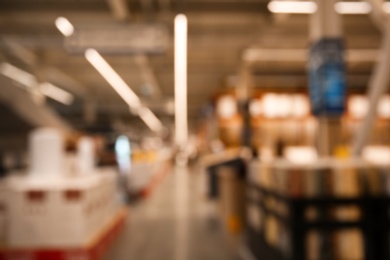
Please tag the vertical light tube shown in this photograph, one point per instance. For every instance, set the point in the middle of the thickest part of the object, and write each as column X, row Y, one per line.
column 181, row 124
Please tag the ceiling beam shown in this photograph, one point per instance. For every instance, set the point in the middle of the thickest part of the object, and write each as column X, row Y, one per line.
column 254, row 55
column 378, row 15
column 24, row 105
column 119, row 9
column 147, row 74
column 42, row 71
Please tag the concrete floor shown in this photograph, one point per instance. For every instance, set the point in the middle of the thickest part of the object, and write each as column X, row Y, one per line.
column 174, row 223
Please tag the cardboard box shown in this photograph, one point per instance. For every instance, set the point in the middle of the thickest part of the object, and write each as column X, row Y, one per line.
column 59, row 213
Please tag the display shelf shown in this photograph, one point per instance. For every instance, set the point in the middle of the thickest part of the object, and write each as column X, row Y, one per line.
column 92, row 250
column 373, row 224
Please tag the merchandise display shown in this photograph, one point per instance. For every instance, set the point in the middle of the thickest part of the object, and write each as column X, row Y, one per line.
column 327, row 193
column 51, row 207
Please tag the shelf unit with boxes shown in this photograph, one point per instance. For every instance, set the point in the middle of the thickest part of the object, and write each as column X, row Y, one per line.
column 93, row 249
column 289, row 218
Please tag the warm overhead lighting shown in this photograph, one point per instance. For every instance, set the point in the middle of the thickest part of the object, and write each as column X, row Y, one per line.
column 301, row 154
column 29, row 81
column 255, row 107
column 109, row 74
column 300, row 106
column 150, row 119
column 26, row 79
column 353, row 7
column 310, row 7
column 120, row 86
column 226, row 107
column 358, row 106
column 56, row 93
column 64, row 26
column 292, row 7
column 386, row 7
column 384, row 107
column 181, row 125
column 379, row 155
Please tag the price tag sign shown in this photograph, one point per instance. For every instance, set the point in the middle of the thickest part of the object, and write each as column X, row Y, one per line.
column 327, row 77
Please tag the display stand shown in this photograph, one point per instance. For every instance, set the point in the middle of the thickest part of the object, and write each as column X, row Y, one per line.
column 373, row 224
column 93, row 250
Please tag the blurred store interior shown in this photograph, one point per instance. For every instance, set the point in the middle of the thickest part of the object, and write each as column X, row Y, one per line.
column 194, row 130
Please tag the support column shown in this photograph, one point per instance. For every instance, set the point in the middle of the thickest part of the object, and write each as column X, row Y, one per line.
column 326, row 38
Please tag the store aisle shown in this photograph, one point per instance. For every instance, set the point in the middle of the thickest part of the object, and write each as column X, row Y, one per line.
column 173, row 224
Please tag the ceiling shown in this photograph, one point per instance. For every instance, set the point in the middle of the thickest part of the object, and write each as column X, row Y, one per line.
column 219, row 32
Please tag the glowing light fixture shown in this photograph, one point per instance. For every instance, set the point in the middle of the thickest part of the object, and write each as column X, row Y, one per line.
column 26, row 79
column 379, row 155
column 300, row 106
column 226, row 107
column 255, row 107
column 29, row 81
column 120, row 86
column 301, row 154
column 56, row 93
column 270, row 105
column 64, row 26
column 310, row 7
column 181, row 124
column 386, row 7
column 358, row 106
column 353, row 7
column 150, row 119
column 292, row 7
column 113, row 78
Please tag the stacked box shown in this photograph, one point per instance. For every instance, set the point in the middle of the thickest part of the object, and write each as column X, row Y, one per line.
column 65, row 212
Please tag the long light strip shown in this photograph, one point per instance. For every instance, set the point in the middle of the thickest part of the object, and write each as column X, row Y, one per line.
column 18, row 75
column 353, row 8
column 293, row 7
column 181, row 121
column 113, row 78
column 64, row 26
column 120, row 86
column 29, row 81
column 309, row 7
column 150, row 119
column 56, row 93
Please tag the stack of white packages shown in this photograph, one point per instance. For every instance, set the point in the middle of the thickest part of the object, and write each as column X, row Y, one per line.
column 50, row 207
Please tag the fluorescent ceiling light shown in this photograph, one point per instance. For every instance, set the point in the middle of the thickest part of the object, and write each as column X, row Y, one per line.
column 64, row 26
column 120, row 86
column 113, row 78
column 292, row 7
column 29, row 81
column 310, row 7
column 150, row 119
column 386, row 7
column 56, row 93
column 181, row 124
column 353, row 7
column 18, row 75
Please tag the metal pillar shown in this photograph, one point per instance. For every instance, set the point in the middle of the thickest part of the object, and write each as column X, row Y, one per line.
column 326, row 23
column 377, row 87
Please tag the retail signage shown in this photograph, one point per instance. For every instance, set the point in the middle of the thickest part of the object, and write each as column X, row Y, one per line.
column 129, row 39
column 327, row 83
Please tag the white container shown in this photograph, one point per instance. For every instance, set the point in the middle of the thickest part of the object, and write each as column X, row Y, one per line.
column 86, row 156
column 65, row 212
column 46, row 153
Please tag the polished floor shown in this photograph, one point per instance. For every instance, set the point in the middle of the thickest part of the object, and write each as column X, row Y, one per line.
column 174, row 223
